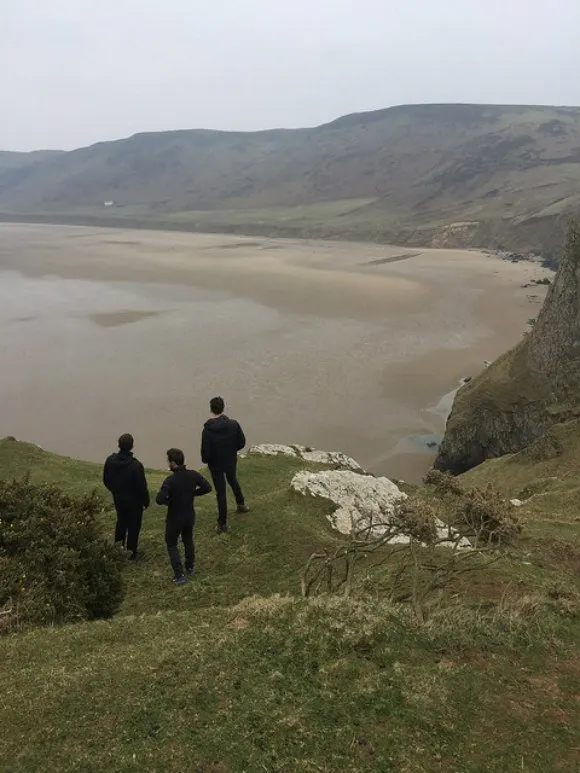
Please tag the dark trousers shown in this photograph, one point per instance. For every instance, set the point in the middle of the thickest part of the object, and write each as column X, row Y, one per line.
column 128, row 526
column 174, row 529
column 219, row 478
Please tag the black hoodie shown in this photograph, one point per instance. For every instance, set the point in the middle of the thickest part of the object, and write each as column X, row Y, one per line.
column 124, row 476
column 179, row 491
column 221, row 440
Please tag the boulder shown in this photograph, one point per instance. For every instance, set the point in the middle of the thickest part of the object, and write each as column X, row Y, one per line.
column 364, row 504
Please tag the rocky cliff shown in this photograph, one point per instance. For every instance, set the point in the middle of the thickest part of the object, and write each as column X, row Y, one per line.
column 527, row 390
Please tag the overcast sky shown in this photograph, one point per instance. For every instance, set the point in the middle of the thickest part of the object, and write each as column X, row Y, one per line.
column 73, row 72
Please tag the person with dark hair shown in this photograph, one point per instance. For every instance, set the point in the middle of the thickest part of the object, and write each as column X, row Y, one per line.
column 221, row 440
column 178, row 493
column 124, row 477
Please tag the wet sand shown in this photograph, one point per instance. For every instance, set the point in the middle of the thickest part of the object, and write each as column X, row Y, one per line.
column 338, row 345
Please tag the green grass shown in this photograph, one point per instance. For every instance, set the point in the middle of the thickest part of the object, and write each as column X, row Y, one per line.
column 263, row 552
column 357, row 220
column 279, row 685
column 342, row 219
column 545, row 476
column 551, row 462
column 234, row 672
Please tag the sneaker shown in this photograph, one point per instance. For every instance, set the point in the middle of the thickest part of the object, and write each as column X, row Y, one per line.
column 134, row 556
column 190, row 572
column 180, row 580
column 221, row 528
column 243, row 509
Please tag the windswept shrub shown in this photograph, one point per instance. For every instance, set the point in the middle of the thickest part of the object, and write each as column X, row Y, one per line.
column 481, row 514
column 55, row 566
column 564, row 600
column 487, row 518
column 443, row 483
column 416, row 520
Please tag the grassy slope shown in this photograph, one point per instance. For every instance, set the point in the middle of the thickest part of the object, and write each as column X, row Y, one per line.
column 193, row 679
column 246, row 561
column 546, row 476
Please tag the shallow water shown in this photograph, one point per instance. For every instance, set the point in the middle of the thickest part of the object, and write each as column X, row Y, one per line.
column 83, row 361
column 307, row 347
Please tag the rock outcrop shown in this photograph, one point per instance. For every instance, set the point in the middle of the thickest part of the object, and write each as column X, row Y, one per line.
column 527, row 390
column 332, row 458
column 364, row 504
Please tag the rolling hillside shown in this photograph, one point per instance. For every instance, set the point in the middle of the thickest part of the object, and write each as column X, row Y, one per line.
column 426, row 174
column 236, row 672
column 16, row 167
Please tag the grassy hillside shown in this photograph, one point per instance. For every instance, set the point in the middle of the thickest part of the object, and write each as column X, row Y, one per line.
column 496, row 176
column 245, row 562
column 15, row 168
column 546, row 477
column 222, row 675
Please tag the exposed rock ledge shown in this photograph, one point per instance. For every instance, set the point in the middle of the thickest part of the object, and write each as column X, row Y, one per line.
column 333, row 458
column 363, row 502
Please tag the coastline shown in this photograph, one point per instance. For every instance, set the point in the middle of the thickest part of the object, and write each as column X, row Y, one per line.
column 333, row 345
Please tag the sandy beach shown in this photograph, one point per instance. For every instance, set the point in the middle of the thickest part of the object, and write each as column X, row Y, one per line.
column 339, row 345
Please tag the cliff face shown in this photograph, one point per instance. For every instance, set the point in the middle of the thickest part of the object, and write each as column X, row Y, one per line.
column 554, row 344
column 528, row 389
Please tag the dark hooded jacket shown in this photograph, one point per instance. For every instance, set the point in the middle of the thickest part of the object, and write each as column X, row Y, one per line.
column 124, row 476
column 221, row 440
column 179, row 491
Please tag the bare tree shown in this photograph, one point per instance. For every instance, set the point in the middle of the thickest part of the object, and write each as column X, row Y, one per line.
column 423, row 561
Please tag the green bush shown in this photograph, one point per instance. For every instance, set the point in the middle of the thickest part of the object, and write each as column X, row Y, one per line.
column 443, row 483
column 416, row 519
column 55, row 566
column 481, row 514
column 488, row 518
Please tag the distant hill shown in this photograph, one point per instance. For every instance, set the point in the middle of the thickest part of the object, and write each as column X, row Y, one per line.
column 496, row 176
column 15, row 167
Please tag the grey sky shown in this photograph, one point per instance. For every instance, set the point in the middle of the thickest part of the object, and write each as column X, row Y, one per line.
column 73, row 72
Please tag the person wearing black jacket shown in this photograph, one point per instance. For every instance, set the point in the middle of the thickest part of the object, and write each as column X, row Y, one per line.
column 124, row 477
column 221, row 439
column 178, row 493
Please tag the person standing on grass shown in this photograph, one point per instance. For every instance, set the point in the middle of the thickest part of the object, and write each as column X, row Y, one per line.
column 221, row 440
column 124, row 477
column 178, row 493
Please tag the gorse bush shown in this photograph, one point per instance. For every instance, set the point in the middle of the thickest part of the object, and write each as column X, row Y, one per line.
column 487, row 517
column 482, row 514
column 55, row 566
column 443, row 482
column 415, row 519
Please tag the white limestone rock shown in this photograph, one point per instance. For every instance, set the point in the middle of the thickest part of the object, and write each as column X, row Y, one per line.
column 516, row 502
column 363, row 503
column 331, row 458
column 335, row 458
column 449, row 537
column 272, row 449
